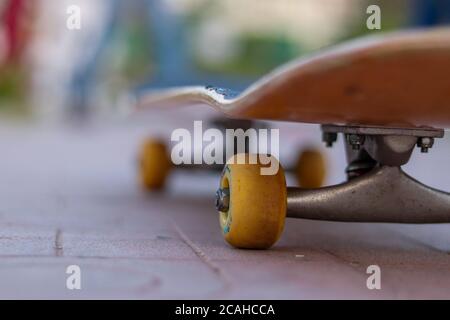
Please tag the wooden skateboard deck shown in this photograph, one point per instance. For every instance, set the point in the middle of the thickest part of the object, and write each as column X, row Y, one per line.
column 396, row 80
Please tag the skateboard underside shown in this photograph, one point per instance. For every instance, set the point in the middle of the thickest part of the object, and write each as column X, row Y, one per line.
column 400, row 80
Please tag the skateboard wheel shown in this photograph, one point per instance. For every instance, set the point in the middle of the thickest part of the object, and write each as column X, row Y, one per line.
column 252, row 206
column 154, row 164
column 311, row 169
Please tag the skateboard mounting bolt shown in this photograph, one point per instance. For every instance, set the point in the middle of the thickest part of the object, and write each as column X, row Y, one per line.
column 355, row 140
column 425, row 143
column 223, row 199
column 329, row 138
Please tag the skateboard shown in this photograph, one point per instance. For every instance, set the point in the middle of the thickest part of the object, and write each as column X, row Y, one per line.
column 384, row 94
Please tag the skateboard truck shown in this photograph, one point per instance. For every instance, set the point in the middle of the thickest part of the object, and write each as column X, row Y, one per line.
column 378, row 190
column 386, row 194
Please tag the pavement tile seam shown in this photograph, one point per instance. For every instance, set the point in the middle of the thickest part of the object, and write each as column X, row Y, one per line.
column 224, row 277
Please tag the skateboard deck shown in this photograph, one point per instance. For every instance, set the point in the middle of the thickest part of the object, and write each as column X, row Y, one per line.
column 396, row 80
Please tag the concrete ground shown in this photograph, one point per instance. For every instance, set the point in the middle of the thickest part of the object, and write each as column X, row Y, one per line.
column 69, row 197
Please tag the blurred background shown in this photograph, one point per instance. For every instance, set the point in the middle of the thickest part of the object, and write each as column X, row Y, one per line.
column 50, row 72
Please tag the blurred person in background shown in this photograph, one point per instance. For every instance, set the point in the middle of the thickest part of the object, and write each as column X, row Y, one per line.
column 63, row 59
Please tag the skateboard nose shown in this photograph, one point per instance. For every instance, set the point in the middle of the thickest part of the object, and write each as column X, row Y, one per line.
column 223, row 199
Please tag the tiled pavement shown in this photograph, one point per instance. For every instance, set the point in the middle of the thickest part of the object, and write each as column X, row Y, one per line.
column 69, row 197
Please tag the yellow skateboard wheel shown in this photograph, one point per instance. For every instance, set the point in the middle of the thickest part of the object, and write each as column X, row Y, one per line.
column 252, row 206
column 311, row 169
column 154, row 164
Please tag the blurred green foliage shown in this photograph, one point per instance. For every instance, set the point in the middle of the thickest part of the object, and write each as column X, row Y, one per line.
column 13, row 90
column 258, row 54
